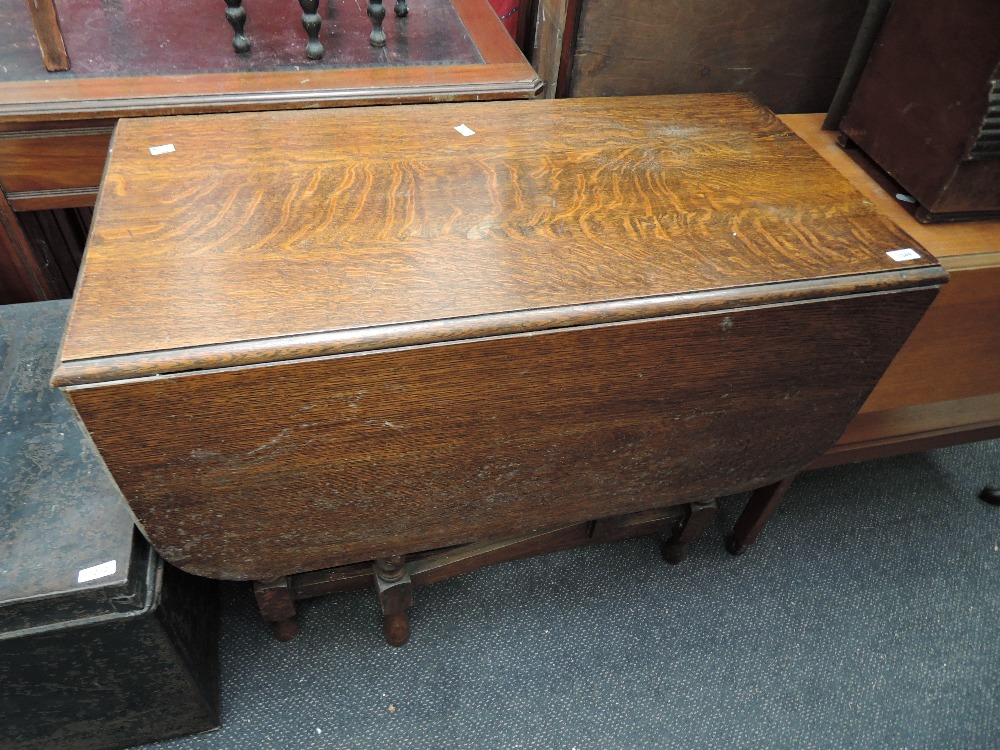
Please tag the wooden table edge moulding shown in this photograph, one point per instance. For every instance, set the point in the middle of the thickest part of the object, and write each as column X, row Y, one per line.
column 319, row 368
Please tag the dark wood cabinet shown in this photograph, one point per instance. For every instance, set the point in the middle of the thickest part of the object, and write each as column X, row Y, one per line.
column 927, row 106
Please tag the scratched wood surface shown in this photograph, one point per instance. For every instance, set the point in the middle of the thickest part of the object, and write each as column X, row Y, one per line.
column 255, row 472
column 360, row 333
column 290, row 223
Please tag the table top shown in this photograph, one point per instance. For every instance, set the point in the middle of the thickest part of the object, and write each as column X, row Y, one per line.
column 172, row 58
column 290, row 234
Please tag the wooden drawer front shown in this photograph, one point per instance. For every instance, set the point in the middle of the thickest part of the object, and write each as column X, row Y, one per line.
column 40, row 169
column 954, row 353
column 259, row 471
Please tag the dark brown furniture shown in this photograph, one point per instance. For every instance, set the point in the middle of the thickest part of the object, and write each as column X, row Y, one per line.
column 939, row 390
column 102, row 644
column 927, row 106
column 332, row 349
column 55, row 129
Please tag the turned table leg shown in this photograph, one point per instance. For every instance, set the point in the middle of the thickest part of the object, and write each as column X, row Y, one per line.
column 400, row 9
column 395, row 596
column 761, row 506
column 237, row 18
column 697, row 517
column 277, row 606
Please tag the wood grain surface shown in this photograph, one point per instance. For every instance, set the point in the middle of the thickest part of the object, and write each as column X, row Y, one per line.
column 342, row 220
column 788, row 53
column 263, row 471
column 50, row 39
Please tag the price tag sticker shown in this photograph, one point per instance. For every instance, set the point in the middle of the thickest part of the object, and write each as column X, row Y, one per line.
column 167, row 148
column 465, row 130
column 907, row 253
column 94, row 572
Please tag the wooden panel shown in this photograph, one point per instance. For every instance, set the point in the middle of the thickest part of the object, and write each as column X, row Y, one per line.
column 321, row 216
column 262, row 471
column 921, row 427
column 60, row 235
column 954, row 353
column 921, row 101
column 789, row 53
column 550, row 25
column 26, row 275
column 53, row 160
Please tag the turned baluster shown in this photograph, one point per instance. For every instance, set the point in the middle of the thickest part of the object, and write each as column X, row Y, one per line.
column 376, row 12
column 237, row 17
column 311, row 22
column 400, row 9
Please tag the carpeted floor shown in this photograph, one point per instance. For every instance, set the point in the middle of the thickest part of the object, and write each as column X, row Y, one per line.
column 865, row 617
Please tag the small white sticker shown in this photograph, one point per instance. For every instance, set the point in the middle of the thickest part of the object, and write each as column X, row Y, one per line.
column 97, row 571
column 165, row 149
column 907, row 253
column 465, row 130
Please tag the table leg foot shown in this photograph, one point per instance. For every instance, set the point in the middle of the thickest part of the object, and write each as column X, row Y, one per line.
column 276, row 603
column 395, row 596
column 761, row 506
column 697, row 517
column 400, row 9
column 376, row 12
column 990, row 494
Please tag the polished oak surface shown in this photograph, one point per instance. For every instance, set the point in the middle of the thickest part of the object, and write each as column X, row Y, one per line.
column 329, row 346
column 340, row 221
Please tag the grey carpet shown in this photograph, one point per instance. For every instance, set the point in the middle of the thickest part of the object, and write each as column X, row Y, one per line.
column 865, row 617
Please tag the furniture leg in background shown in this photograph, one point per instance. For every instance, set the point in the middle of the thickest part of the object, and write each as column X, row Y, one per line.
column 990, row 494
column 761, row 506
column 395, row 578
column 49, row 35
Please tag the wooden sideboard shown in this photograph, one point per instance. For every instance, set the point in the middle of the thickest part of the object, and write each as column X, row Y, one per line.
column 55, row 127
column 943, row 387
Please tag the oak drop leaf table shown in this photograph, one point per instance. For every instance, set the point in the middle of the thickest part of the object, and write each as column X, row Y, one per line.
column 329, row 358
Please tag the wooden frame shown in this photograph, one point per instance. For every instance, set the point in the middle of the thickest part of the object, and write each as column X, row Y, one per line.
column 504, row 74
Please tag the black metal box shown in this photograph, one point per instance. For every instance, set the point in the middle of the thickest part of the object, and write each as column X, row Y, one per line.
column 102, row 644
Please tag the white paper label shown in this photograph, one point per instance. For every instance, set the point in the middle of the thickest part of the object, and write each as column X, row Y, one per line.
column 97, row 571
column 907, row 253
column 165, row 149
column 465, row 130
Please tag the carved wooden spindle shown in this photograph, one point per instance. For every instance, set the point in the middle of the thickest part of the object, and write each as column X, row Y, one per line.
column 311, row 22
column 395, row 596
column 237, row 17
column 376, row 12
column 400, row 9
